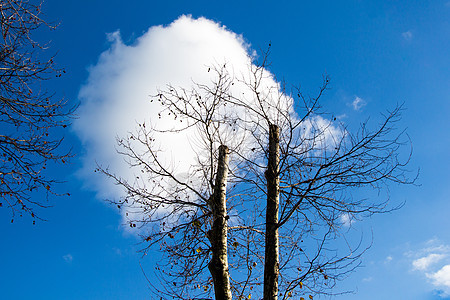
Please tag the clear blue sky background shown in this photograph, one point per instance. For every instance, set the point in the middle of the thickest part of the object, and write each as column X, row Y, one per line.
column 385, row 52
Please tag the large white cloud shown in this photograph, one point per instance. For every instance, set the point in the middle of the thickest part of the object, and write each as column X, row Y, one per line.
column 116, row 96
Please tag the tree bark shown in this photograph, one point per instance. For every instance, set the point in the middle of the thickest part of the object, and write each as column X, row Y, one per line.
column 218, row 266
column 271, row 266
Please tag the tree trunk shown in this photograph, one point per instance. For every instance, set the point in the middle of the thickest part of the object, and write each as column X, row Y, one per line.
column 218, row 266
column 271, row 267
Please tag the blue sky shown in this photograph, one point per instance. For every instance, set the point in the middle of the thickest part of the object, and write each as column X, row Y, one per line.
column 381, row 52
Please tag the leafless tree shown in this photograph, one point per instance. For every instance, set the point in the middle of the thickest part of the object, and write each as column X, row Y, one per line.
column 30, row 118
column 183, row 211
column 311, row 167
column 291, row 178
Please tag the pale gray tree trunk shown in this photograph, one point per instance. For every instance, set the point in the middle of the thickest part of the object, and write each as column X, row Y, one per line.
column 218, row 266
column 271, row 266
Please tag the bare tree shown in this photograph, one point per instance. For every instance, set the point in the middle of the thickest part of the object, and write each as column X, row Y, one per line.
column 313, row 166
column 291, row 180
column 183, row 211
column 29, row 116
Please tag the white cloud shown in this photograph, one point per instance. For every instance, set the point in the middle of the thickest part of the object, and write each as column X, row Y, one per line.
column 434, row 262
column 407, row 35
column 424, row 263
column 116, row 97
column 346, row 219
column 358, row 103
column 441, row 279
column 68, row 258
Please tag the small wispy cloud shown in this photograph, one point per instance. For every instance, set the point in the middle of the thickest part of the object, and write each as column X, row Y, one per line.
column 424, row 263
column 407, row 35
column 68, row 258
column 358, row 103
column 346, row 220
